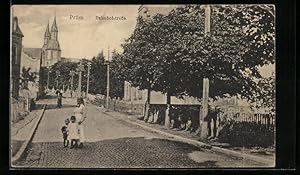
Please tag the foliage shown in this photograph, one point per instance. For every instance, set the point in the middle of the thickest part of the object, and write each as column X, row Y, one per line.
column 172, row 54
column 63, row 78
column 246, row 134
column 98, row 75
column 27, row 76
column 265, row 97
column 117, row 79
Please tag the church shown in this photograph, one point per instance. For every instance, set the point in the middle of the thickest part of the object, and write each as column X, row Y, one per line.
column 46, row 56
column 51, row 52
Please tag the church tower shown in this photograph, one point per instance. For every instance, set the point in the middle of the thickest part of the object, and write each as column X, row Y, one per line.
column 47, row 35
column 51, row 49
column 54, row 30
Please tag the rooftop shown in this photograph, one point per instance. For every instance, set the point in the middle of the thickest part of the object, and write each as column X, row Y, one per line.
column 35, row 53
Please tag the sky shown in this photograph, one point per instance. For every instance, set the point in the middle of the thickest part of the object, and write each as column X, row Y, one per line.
column 81, row 38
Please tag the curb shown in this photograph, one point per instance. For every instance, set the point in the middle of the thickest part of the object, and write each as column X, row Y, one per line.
column 19, row 154
column 270, row 163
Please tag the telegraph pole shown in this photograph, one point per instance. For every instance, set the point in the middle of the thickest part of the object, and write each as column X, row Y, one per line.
column 79, row 69
column 48, row 79
column 57, row 75
column 72, row 73
column 107, row 86
column 88, row 78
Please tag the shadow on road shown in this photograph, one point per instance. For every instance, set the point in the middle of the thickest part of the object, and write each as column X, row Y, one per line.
column 54, row 106
column 128, row 152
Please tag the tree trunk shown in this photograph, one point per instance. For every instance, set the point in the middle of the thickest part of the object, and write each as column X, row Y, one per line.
column 203, row 127
column 147, row 105
column 167, row 118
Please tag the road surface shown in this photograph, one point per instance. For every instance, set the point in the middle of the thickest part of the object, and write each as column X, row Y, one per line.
column 114, row 143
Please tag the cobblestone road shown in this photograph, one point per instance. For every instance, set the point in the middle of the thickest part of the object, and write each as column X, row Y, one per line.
column 114, row 143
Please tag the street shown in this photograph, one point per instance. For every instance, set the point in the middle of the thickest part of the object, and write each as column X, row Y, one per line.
column 114, row 143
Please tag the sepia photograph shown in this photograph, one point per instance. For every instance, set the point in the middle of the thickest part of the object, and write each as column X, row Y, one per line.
column 142, row 86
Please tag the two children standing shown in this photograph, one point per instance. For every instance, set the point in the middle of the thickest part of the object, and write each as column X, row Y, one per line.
column 73, row 131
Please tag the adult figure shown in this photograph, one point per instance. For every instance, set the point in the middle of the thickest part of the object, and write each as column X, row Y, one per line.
column 80, row 113
column 212, row 119
column 59, row 100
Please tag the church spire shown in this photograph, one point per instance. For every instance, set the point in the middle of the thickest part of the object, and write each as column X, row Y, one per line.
column 54, row 30
column 54, row 26
column 47, row 32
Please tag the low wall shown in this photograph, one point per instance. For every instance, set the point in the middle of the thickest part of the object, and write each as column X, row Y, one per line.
column 120, row 105
column 18, row 109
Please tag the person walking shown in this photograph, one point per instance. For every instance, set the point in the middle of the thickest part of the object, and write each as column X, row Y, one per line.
column 81, row 114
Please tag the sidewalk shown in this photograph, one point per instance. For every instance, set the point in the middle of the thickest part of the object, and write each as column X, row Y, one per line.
column 192, row 137
column 20, row 131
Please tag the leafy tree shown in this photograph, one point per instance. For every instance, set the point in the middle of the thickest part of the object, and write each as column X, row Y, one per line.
column 27, row 76
column 116, row 76
column 265, row 98
column 172, row 54
column 98, row 75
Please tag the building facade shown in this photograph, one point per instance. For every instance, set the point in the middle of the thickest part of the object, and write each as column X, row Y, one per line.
column 31, row 59
column 16, row 49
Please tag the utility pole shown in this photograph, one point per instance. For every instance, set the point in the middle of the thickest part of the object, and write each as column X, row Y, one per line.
column 88, row 78
column 79, row 69
column 48, row 79
column 72, row 73
column 57, row 75
column 107, row 86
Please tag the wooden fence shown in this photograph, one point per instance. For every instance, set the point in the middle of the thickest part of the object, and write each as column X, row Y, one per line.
column 259, row 118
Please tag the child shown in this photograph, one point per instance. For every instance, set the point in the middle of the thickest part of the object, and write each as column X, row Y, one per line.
column 65, row 132
column 73, row 133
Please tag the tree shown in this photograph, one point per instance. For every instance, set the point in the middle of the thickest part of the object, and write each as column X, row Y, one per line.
column 172, row 54
column 141, row 62
column 98, row 75
column 265, row 98
column 27, row 76
column 63, row 78
column 116, row 75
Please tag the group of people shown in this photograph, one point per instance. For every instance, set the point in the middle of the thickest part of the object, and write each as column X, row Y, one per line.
column 72, row 130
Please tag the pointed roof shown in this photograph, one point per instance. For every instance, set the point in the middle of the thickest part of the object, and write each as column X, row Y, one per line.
column 15, row 27
column 47, row 33
column 54, row 26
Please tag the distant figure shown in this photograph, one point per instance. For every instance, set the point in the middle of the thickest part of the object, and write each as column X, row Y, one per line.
column 57, row 92
column 73, row 133
column 59, row 100
column 65, row 132
column 212, row 117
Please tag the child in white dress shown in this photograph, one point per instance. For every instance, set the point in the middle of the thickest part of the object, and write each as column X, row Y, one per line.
column 73, row 133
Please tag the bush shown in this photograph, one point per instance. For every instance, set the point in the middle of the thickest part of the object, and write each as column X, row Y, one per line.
column 247, row 134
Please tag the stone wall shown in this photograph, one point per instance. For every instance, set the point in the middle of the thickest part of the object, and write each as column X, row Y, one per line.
column 119, row 105
column 18, row 109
